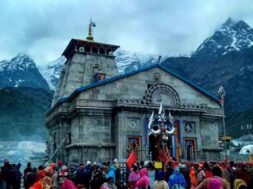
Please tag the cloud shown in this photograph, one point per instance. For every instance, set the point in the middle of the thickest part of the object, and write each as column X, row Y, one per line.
column 42, row 28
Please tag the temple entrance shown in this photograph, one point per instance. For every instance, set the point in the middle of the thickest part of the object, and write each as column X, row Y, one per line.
column 189, row 154
column 134, row 144
column 190, row 150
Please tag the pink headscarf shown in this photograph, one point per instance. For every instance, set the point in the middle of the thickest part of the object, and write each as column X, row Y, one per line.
column 68, row 184
column 144, row 180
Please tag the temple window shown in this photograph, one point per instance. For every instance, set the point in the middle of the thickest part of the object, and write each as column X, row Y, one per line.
column 87, row 49
column 157, row 76
column 94, row 50
column 102, row 51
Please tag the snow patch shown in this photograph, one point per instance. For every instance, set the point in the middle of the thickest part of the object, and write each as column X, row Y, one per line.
column 31, row 147
column 52, row 70
column 248, row 149
column 22, row 152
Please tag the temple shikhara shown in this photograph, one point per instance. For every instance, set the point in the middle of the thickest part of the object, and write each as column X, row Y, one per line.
column 98, row 114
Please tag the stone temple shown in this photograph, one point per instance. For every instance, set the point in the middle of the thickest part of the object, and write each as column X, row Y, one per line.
column 98, row 114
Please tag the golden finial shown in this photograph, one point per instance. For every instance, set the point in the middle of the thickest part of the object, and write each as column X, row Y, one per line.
column 90, row 36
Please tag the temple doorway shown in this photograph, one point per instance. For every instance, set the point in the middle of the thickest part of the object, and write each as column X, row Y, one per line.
column 134, row 144
column 190, row 150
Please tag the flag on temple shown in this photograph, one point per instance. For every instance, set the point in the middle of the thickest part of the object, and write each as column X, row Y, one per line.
column 131, row 159
column 92, row 24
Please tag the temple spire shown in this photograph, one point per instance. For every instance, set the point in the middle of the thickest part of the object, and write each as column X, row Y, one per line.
column 90, row 36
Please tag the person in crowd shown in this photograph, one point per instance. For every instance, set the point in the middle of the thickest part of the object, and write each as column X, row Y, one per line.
column 27, row 170
column 232, row 172
column 116, row 164
column 59, row 166
column 133, row 177
column 169, row 170
column 42, row 181
column 55, row 184
column 6, row 175
column 80, row 177
column 239, row 184
column 242, row 173
column 250, row 183
column 185, row 170
column 62, row 175
column 144, row 181
column 30, row 178
column 112, row 173
column 151, row 171
column 46, row 183
column 108, row 184
column 214, row 182
column 98, row 177
column 68, row 184
column 88, row 174
column 16, row 176
column 193, row 177
column 207, row 170
column 201, row 173
column 160, row 183
column 177, row 180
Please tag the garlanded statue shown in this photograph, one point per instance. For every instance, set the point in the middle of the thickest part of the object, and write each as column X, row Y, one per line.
column 161, row 131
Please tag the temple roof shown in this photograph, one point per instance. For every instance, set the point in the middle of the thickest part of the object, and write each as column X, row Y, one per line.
column 88, row 47
column 118, row 77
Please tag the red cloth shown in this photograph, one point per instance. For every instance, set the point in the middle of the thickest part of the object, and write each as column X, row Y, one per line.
column 131, row 159
column 36, row 185
column 208, row 173
column 40, row 174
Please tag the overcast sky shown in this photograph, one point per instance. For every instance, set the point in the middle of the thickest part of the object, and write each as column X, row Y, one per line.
column 43, row 28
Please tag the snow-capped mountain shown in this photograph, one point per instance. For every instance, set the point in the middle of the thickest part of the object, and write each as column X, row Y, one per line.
column 51, row 71
column 21, row 71
column 231, row 36
column 130, row 61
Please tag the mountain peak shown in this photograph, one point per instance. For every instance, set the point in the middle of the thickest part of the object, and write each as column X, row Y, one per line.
column 21, row 70
column 231, row 36
column 232, row 24
column 229, row 22
column 23, row 59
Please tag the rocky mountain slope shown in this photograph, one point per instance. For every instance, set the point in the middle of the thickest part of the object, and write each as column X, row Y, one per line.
column 22, row 111
column 231, row 36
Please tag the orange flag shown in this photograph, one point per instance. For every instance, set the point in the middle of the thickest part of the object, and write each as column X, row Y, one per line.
column 131, row 159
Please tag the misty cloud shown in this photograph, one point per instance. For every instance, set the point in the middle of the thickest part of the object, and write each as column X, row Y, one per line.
column 43, row 28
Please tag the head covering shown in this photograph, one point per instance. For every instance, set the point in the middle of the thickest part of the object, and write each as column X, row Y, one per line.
column 6, row 161
column 68, row 184
column 143, row 172
column 88, row 162
column 64, row 167
column 52, row 165
column 60, row 163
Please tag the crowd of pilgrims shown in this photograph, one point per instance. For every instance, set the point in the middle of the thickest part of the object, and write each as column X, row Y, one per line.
column 142, row 175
